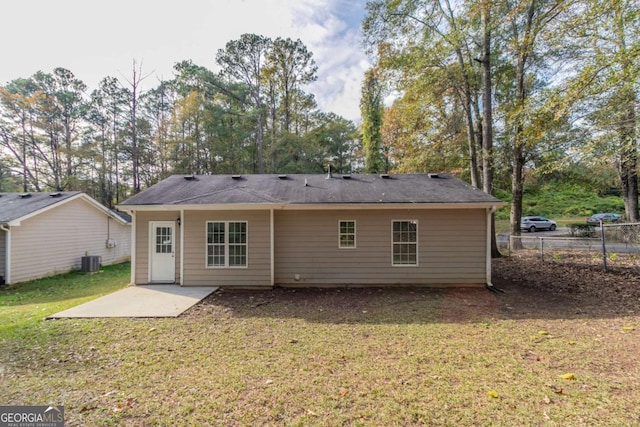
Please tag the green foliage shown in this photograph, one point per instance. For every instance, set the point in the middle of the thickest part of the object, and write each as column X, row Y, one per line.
column 581, row 229
column 372, row 109
column 567, row 200
column 560, row 200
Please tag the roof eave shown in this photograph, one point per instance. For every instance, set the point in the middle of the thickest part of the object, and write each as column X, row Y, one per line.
column 308, row 206
column 16, row 222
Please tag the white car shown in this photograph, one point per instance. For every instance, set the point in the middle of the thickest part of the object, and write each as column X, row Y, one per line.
column 535, row 223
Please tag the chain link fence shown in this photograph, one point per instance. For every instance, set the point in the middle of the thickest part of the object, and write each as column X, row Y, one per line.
column 612, row 246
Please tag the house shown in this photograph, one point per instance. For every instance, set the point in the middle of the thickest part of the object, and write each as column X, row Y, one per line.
column 311, row 230
column 43, row 234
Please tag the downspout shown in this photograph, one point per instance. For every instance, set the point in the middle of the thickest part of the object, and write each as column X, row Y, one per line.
column 133, row 247
column 7, row 255
column 272, row 247
column 182, row 225
column 489, row 285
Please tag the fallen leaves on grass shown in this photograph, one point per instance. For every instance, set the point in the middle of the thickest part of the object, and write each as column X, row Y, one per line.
column 121, row 406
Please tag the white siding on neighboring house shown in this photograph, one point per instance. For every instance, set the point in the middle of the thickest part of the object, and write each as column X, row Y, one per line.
column 55, row 240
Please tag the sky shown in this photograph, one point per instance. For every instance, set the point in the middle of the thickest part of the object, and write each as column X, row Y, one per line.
column 94, row 39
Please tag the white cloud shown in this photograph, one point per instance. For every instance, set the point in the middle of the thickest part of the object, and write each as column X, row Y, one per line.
column 95, row 40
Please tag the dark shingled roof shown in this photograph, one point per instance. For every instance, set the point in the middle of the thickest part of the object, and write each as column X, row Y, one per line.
column 16, row 205
column 291, row 190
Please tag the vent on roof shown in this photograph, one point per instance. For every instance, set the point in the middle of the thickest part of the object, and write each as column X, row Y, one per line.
column 282, row 176
column 24, row 195
column 56, row 194
column 433, row 175
column 236, row 177
column 346, row 176
column 384, row 176
column 190, row 177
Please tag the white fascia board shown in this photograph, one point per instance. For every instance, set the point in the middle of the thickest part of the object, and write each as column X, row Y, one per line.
column 323, row 206
column 16, row 222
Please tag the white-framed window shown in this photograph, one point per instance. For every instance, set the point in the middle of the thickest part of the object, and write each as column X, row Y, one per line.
column 227, row 244
column 346, row 234
column 404, row 243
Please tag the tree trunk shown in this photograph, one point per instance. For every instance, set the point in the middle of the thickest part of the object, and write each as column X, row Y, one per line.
column 487, row 118
column 629, row 164
column 468, row 112
column 627, row 125
column 517, row 194
column 518, row 158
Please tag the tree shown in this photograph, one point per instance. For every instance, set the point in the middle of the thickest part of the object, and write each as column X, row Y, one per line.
column 18, row 123
column 604, row 38
column 419, row 40
column 61, row 110
column 243, row 60
column 339, row 139
column 289, row 65
column 487, row 115
column 371, row 108
column 525, row 53
column 134, row 150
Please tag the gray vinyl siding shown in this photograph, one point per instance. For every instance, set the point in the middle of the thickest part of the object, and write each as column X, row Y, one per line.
column 142, row 220
column 55, row 240
column 451, row 248
column 258, row 270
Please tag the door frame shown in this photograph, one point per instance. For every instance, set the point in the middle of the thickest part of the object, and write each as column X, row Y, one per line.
column 152, row 231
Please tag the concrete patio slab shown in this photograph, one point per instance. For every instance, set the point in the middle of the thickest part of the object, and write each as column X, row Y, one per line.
column 140, row 301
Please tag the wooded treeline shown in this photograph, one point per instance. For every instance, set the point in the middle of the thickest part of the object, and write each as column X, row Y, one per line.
column 562, row 81
column 252, row 117
column 499, row 92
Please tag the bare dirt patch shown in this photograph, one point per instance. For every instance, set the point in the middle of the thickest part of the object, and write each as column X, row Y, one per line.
column 532, row 288
column 575, row 281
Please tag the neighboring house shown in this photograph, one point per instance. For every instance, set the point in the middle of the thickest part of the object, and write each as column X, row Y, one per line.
column 42, row 234
column 311, row 230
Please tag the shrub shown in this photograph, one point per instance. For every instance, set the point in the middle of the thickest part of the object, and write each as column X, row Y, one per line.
column 581, row 230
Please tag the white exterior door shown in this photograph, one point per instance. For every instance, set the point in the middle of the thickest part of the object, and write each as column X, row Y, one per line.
column 162, row 265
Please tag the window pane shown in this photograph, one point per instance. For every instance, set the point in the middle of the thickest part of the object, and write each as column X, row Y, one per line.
column 164, row 241
column 405, row 247
column 226, row 244
column 347, row 234
column 237, row 255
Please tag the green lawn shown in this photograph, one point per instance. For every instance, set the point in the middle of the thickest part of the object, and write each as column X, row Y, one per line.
column 23, row 306
column 341, row 357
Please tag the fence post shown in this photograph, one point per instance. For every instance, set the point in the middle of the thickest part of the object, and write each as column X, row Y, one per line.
column 541, row 248
column 604, row 247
